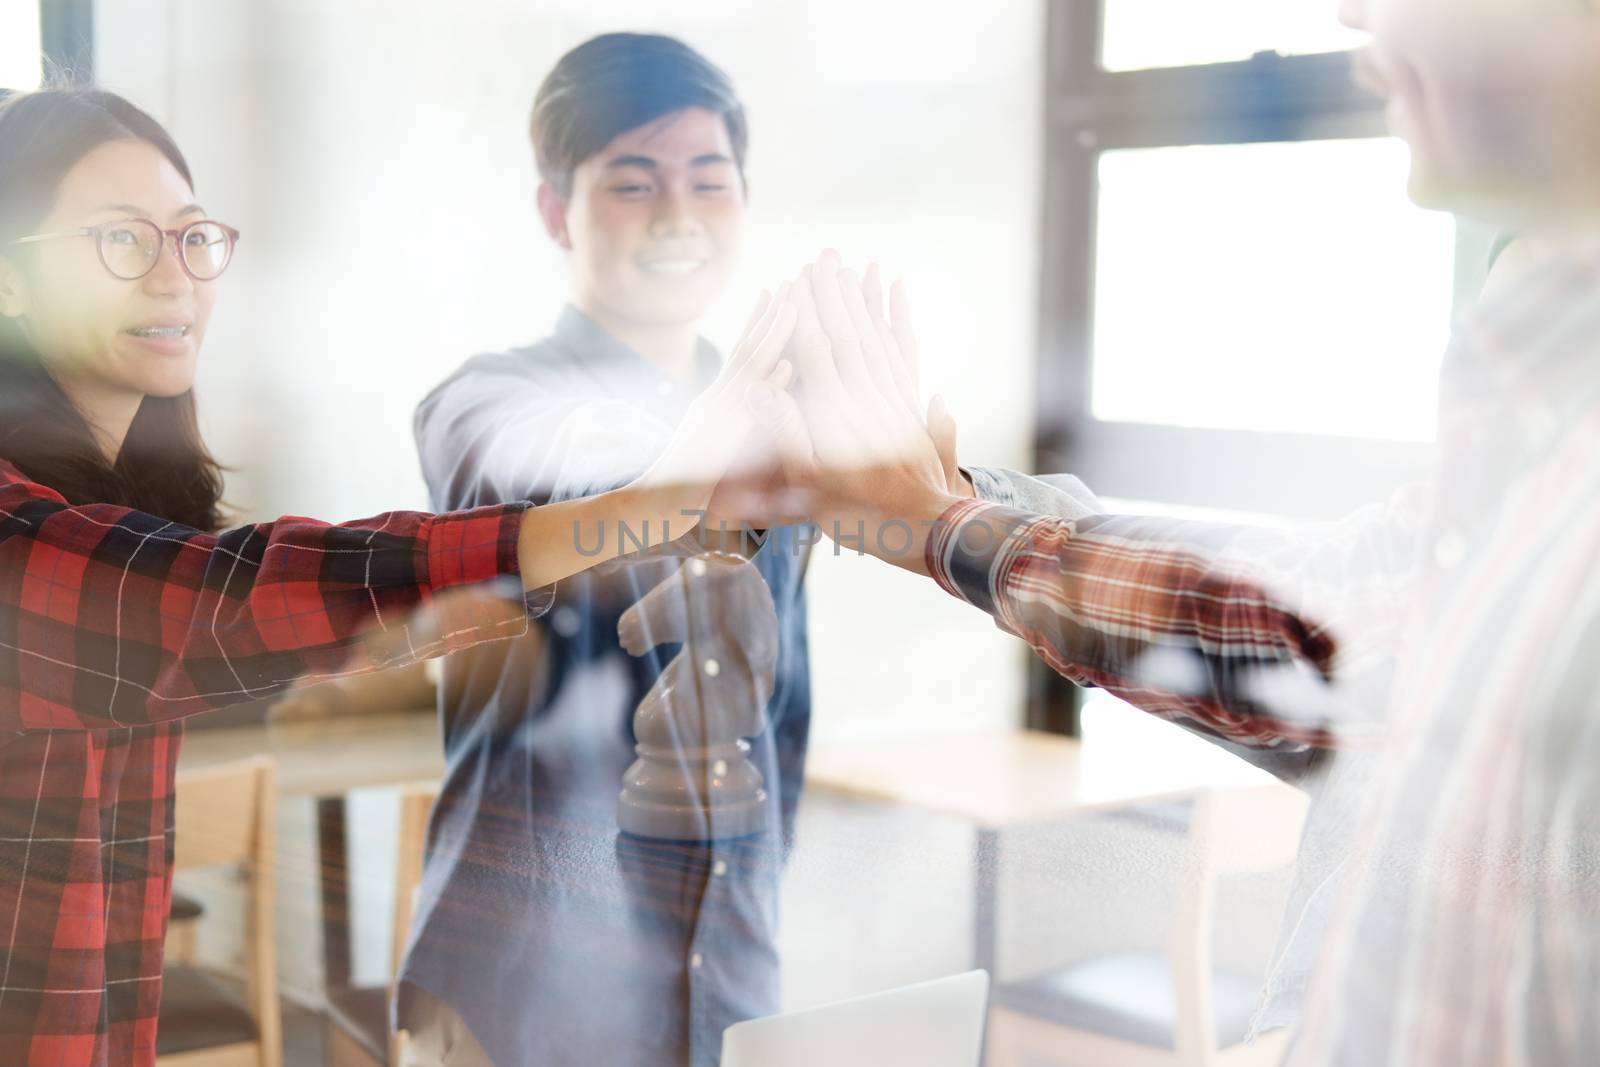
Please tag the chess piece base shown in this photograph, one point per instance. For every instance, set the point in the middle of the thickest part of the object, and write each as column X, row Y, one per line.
column 673, row 822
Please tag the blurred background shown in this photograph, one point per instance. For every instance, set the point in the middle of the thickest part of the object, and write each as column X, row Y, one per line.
column 1187, row 275
column 1160, row 244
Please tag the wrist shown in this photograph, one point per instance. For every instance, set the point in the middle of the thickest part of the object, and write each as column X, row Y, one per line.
column 673, row 510
column 897, row 532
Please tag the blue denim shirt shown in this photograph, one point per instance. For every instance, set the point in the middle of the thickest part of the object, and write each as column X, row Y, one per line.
column 555, row 937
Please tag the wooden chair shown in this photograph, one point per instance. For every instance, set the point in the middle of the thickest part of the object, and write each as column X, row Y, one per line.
column 227, row 816
column 358, row 1031
column 1154, row 1009
column 183, row 921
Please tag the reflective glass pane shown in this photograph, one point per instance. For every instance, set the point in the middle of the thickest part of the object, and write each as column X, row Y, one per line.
column 1271, row 287
column 19, row 44
column 1176, row 33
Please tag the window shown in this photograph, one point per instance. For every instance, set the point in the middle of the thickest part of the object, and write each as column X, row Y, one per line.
column 1240, row 308
column 1277, row 309
column 1142, row 34
column 20, row 66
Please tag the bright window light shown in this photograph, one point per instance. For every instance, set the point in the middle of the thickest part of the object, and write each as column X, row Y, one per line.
column 1285, row 287
column 19, row 44
column 1176, row 33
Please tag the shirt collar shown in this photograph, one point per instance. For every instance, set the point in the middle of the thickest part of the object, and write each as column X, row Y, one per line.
column 1525, row 365
column 586, row 340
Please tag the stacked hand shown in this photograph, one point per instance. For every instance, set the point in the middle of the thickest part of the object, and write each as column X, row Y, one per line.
column 717, row 441
column 852, row 431
column 819, row 414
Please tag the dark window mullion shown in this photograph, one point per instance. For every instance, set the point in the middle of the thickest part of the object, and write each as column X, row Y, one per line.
column 1268, row 98
column 1061, row 397
column 66, row 32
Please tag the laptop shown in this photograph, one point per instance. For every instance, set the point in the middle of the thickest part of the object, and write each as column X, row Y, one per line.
column 931, row 1024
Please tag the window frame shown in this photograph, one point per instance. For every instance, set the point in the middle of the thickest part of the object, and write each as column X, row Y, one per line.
column 66, row 41
column 1268, row 98
column 66, row 38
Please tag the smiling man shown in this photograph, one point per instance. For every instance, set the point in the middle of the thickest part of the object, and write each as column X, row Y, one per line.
column 543, row 935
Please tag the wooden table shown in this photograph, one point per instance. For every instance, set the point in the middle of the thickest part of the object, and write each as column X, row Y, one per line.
column 1000, row 779
column 996, row 779
column 327, row 758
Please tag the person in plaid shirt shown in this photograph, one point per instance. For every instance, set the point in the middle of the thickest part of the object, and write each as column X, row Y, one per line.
column 122, row 611
column 1453, row 914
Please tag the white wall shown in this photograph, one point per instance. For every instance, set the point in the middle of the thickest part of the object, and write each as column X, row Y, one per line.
column 375, row 156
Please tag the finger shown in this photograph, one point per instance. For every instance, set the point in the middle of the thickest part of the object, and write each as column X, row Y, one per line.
column 905, row 337
column 782, row 375
column 898, row 425
column 780, row 415
column 764, row 355
column 872, row 293
column 756, row 331
column 872, row 350
column 821, row 387
column 760, row 318
column 942, row 428
column 813, row 352
column 872, row 290
column 822, row 395
column 763, row 301
column 836, row 321
column 756, row 457
column 874, row 422
column 899, row 366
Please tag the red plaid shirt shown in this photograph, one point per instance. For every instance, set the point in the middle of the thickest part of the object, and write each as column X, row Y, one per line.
column 114, row 626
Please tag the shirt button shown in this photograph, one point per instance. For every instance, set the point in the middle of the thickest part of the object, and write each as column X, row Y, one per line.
column 719, row 868
column 696, row 960
column 1450, row 550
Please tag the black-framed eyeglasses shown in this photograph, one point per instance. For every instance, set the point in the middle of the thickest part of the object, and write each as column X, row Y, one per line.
column 130, row 248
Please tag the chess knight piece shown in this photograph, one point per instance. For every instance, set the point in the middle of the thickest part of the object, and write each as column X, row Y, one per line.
column 693, row 780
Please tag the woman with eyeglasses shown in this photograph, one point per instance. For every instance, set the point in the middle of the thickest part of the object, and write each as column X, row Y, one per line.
column 123, row 611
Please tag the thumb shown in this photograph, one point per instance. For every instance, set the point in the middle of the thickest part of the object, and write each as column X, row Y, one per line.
column 942, row 428
column 776, row 411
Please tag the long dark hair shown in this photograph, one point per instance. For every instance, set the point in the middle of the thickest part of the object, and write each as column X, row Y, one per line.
column 164, row 467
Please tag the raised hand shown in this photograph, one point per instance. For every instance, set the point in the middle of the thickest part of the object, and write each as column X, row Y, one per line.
column 854, row 432
column 714, row 440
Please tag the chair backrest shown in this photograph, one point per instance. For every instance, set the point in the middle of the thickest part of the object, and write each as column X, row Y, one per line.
column 1233, row 831
column 223, row 815
column 416, row 802
column 228, row 815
